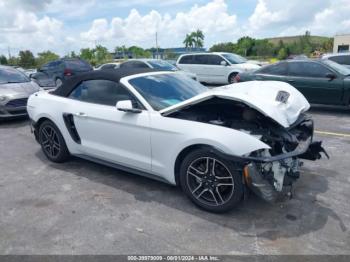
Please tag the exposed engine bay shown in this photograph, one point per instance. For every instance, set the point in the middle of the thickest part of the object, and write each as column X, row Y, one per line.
column 266, row 171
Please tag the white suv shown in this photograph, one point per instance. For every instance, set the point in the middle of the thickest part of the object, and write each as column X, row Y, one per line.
column 215, row 68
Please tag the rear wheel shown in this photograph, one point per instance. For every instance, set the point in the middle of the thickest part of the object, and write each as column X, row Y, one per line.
column 210, row 181
column 52, row 142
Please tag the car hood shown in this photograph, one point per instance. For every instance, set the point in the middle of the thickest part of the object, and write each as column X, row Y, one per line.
column 260, row 95
column 248, row 66
column 13, row 89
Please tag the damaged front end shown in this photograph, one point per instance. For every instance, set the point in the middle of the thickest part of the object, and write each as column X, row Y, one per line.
column 268, row 172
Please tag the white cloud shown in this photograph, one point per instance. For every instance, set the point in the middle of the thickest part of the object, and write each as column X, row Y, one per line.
column 46, row 24
column 213, row 18
column 275, row 17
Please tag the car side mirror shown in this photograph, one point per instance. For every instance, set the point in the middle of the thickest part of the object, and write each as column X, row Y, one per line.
column 331, row 76
column 223, row 63
column 126, row 106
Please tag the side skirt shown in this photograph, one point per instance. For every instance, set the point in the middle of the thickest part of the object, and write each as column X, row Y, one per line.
column 124, row 168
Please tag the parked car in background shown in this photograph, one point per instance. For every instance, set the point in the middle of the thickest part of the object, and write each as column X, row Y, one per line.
column 320, row 81
column 215, row 68
column 297, row 57
column 58, row 71
column 157, row 64
column 214, row 143
column 114, row 65
column 27, row 72
column 15, row 88
column 340, row 58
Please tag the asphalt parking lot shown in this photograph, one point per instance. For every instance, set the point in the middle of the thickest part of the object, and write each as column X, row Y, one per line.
column 84, row 208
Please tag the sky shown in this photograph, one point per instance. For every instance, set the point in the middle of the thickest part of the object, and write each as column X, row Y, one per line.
column 69, row 25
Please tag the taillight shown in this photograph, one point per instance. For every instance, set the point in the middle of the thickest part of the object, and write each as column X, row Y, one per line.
column 68, row 72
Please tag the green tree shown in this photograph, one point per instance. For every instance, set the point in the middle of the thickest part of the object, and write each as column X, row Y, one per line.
column 73, row 55
column 45, row 57
column 95, row 56
column 189, row 41
column 198, row 37
column 86, row 54
column 137, row 52
column 3, row 60
column 13, row 61
column 26, row 59
column 262, row 48
column 282, row 54
column 245, row 45
column 101, row 55
column 223, row 47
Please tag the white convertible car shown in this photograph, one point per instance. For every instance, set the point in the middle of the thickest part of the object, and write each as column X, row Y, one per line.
column 214, row 143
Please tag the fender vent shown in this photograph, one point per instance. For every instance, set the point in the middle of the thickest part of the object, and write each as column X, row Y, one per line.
column 69, row 122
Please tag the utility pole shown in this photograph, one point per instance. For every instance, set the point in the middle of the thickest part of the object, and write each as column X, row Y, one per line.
column 8, row 49
column 157, row 45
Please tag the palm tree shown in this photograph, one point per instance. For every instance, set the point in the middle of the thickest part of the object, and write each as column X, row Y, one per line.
column 189, row 41
column 198, row 37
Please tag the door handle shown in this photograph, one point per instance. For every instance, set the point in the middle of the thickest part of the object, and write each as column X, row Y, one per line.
column 80, row 114
column 290, row 81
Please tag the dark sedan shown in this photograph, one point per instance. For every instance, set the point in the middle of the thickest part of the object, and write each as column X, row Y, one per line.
column 320, row 81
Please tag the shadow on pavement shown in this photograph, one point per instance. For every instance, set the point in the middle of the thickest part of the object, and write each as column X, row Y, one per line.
column 304, row 214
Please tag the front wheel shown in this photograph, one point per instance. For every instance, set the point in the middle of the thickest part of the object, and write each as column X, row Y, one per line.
column 52, row 142
column 233, row 78
column 210, row 181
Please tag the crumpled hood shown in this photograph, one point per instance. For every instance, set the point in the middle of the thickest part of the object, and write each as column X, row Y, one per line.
column 260, row 95
column 14, row 89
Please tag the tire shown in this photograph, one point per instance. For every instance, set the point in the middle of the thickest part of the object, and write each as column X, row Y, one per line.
column 231, row 78
column 216, row 192
column 58, row 82
column 52, row 142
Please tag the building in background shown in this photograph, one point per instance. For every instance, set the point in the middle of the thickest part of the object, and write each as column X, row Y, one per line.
column 341, row 43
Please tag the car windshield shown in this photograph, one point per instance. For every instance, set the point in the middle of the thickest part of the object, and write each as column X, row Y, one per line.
column 164, row 90
column 337, row 67
column 11, row 75
column 234, row 59
column 159, row 64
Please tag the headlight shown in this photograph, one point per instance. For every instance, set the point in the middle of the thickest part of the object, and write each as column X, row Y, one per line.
column 3, row 98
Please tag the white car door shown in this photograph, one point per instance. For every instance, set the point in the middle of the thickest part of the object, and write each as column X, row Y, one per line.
column 107, row 133
column 218, row 73
column 195, row 64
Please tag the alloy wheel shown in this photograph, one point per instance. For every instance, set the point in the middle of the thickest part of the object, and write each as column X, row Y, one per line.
column 50, row 141
column 210, row 181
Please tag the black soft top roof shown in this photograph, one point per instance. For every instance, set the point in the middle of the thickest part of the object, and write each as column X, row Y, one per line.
column 110, row 74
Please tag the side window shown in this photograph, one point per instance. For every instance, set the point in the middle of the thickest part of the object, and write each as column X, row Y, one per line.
column 187, row 59
column 103, row 92
column 52, row 65
column 214, row 60
column 138, row 64
column 275, row 69
column 108, row 66
column 200, row 59
column 342, row 59
column 308, row 69
column 125, row 65
column 45, row 67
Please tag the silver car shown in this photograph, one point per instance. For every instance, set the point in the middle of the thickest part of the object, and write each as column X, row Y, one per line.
column 15, row 88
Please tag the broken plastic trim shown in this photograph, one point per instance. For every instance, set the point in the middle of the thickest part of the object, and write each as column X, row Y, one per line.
column 305, row 150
